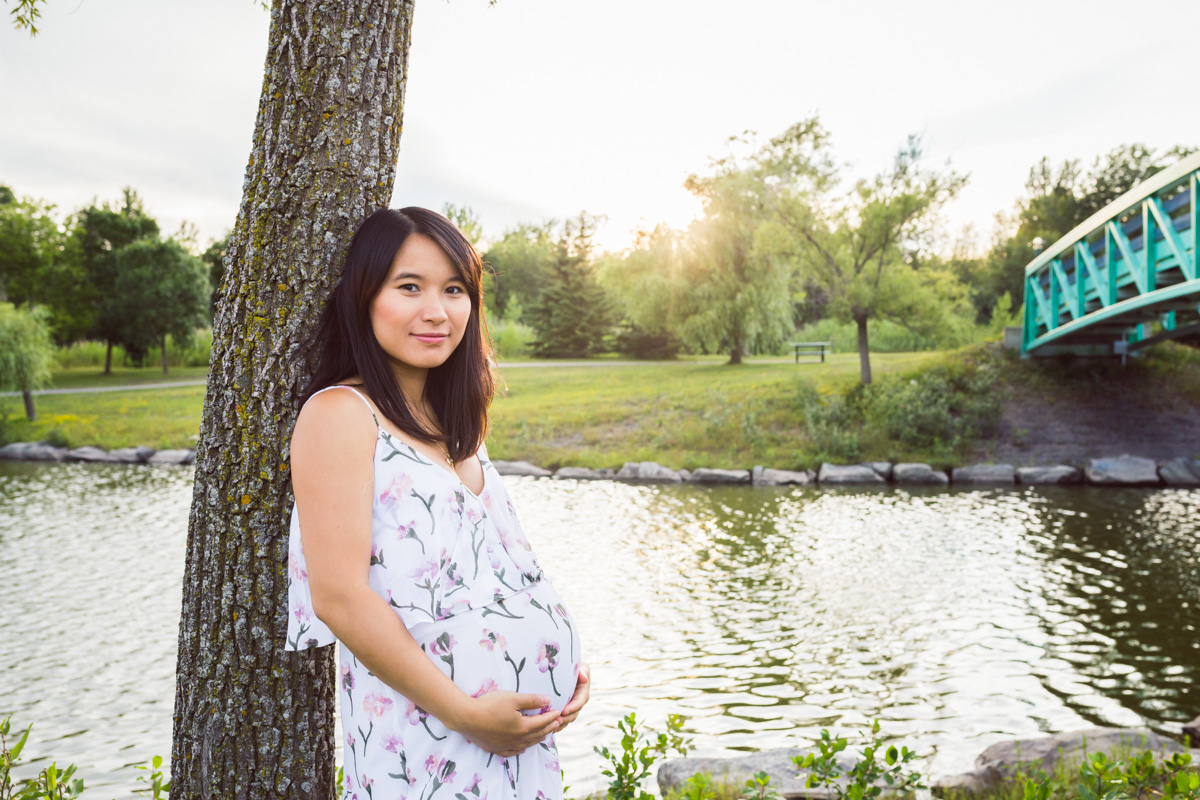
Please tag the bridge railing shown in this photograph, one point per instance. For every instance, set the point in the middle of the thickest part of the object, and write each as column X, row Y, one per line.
column 1104, row 280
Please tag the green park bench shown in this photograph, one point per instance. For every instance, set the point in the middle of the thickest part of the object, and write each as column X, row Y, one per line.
column 811, row 351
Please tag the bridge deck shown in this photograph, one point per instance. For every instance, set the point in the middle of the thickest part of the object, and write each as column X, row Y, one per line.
column 1097, row 290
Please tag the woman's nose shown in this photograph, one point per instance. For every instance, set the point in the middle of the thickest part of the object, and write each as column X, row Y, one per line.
column 432, row 309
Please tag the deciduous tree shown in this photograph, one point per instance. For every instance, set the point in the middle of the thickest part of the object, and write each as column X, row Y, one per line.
column 164, row 291
column 101, row 231
column 853, row 243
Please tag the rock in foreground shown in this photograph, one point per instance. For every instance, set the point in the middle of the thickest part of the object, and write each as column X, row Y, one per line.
column 777, row 763
column 1000, row 762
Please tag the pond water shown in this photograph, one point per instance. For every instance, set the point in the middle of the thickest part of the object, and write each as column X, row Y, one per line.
column 958, row 618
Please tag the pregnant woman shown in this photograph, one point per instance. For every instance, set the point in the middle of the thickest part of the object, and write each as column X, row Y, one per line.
column 458, row 660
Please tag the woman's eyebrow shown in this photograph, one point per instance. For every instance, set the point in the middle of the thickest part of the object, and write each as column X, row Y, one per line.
column 404, row 276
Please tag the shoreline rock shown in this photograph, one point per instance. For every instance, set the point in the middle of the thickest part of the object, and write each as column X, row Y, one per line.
column 1124, row 470
column 1120, row 471
column 906, row 474
column 985, row 474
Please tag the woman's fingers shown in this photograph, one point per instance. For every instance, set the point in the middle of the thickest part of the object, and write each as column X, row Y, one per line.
column 583, row 691
column 526, row 702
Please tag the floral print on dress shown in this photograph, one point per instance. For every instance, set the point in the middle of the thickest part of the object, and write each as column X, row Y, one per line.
column 459, row 572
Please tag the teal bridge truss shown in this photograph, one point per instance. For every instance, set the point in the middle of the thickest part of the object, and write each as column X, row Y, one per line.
column 1099, row 289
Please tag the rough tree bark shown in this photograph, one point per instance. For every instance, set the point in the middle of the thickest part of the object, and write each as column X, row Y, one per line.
column 253, row 721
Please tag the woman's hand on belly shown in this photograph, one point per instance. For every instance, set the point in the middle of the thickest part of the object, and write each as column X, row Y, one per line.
column 583, row 692
column 495, row 723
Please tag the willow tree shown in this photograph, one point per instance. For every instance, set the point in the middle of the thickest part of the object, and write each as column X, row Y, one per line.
column 737, row 280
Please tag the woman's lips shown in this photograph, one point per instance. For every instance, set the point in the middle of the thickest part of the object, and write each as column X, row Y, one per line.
column 430, row 338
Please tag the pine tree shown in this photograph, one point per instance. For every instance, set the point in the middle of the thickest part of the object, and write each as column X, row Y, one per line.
column 571, row 315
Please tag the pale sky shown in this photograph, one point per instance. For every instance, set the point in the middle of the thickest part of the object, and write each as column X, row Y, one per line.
column 537, row 109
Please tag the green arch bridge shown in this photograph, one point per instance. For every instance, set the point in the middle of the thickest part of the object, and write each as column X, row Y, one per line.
column 1099, row 289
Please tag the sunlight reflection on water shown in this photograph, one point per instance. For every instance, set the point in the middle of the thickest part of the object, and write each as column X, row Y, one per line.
column 959, row 618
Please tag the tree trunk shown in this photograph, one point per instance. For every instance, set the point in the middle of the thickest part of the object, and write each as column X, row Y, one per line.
column 164, row 353
column 251, row 720
column 108, row 359
column 30, row 412
column 864, row 355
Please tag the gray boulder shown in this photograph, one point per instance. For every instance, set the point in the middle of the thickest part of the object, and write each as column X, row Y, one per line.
column 909, row 474
column 33, row 451
column 884, row 468
column 521, row 468
column 1123, row 471
column 704, row 475
column 177, row 457
column 577, row 474
column 852, row 474
column 16, row 451
column 1180, row 472
column 990, row 474
column 684, row 474
column 132, row 455
column 1057, row 474
column 761, row 476
column 90, row 454
column 777, row 763
column 647, row 472
column 1000, row 762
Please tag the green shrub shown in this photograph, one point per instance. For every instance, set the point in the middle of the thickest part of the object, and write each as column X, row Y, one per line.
column 832, row 422
column 638, row 343
column 941, row 409
column 511, row 339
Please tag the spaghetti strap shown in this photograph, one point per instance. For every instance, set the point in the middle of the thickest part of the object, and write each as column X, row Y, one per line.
column 360, row 397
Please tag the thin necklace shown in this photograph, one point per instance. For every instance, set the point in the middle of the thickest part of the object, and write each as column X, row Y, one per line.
column 446, row 450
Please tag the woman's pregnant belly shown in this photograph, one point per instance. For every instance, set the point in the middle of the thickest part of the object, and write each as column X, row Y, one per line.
column 526, row 643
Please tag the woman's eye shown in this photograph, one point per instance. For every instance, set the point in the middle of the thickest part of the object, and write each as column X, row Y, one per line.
column 455, row 289
column 409, row 287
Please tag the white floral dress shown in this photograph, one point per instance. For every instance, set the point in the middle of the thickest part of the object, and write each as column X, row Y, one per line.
column 459, row 572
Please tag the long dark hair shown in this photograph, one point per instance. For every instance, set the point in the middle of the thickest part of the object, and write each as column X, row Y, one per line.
column 458, row 391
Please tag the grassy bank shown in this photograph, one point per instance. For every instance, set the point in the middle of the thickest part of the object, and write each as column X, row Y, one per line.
column 937, row 407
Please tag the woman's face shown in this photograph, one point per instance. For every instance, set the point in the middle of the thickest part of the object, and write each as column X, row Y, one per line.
column 422, row 309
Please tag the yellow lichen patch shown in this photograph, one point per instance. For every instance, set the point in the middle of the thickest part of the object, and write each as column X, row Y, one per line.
column 281, row 285
column 245, row 499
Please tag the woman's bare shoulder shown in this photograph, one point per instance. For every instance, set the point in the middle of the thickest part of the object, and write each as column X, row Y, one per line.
column 334, row 419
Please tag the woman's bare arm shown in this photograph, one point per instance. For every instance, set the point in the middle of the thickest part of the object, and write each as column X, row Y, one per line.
column 332, row 455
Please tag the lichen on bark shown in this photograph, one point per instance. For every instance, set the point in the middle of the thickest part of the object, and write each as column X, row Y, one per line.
column 251, row 720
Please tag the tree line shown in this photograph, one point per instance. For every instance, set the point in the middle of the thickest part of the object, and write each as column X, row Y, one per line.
column 786, row 241
column 106, row 273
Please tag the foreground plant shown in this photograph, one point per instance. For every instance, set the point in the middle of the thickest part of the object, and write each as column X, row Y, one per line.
column 640, row 748
column 50, row 783
column 864, row 776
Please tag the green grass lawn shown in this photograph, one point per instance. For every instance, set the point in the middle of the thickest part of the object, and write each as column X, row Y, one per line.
column 685, row 413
